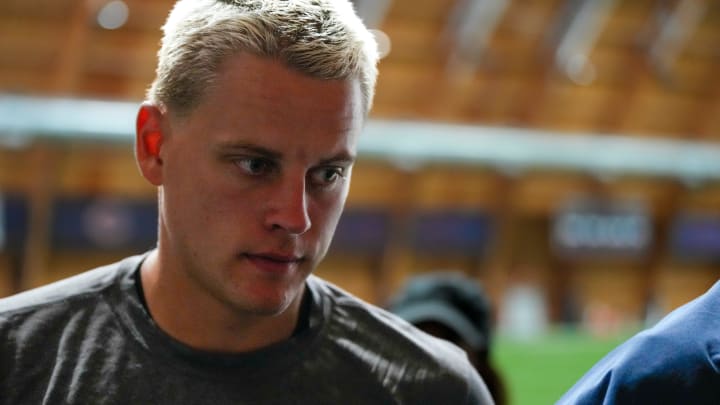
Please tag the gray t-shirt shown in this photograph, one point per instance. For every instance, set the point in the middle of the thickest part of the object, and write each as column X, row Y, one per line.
column 89, row 340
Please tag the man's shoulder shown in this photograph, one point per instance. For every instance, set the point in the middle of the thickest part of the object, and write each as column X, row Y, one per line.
column 64, row 292
column 677, row 359
column 686, row 339
column 378, row 341
column 48, row 333
column 374, row 324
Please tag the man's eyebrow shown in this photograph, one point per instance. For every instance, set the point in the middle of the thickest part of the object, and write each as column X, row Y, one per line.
column 247, row 147
column 340, row 158
column 343, row 157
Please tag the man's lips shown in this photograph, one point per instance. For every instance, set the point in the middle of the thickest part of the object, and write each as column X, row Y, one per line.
column 273, row 262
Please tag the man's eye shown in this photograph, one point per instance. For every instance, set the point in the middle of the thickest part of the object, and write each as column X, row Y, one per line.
column 254, row 166
column 326, row 176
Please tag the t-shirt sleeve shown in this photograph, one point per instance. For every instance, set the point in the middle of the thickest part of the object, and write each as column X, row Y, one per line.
column 478, row 392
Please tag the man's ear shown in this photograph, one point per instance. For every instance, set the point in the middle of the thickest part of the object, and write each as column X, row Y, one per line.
column 149, row 137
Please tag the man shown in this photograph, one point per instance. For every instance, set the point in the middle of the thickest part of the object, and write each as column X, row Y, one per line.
column 675, row 362
column 249, row 133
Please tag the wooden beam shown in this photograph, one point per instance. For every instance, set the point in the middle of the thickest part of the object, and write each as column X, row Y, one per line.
column 45, row 160
column 68, row 71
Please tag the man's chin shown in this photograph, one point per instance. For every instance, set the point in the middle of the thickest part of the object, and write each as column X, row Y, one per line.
column 265, row 296
column 266, row 305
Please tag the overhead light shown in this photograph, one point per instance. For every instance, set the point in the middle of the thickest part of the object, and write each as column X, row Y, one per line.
column 470, row 28
column 372, row 12
column 580, row 70
column 582, row 25
column 384, row 44
column 675, row 34
column 113, row 15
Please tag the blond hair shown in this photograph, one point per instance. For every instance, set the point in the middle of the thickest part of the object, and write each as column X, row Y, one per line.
column 321, row 38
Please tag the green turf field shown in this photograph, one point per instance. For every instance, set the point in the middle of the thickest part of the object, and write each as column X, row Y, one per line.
column 540, row 371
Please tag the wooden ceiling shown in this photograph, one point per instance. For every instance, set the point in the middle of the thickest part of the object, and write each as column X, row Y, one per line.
column 638, row 67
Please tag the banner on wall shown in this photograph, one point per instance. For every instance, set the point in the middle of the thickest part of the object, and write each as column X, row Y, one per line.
column 451, row 232
column 13, row 223
column 362, row 231
column 3, row 230
column 595, row 228
column 695, row 237
column 104, row 224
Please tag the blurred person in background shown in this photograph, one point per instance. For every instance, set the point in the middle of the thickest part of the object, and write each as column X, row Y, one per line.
column 453, row 307
column 249, row 133
column 677, row 361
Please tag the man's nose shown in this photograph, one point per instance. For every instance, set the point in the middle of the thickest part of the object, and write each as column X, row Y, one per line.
column 289, row 208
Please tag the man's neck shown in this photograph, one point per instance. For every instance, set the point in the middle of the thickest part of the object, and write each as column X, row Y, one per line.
column 195, row 318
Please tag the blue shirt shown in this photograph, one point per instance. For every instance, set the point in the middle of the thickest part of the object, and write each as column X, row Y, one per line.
column 675, row 362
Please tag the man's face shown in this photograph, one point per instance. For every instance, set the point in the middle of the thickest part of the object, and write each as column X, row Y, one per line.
column 254, row 182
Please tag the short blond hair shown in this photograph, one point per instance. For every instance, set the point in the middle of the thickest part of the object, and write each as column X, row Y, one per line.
column 321, row 38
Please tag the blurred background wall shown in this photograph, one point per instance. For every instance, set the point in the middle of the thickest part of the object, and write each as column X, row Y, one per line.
column 563, row 153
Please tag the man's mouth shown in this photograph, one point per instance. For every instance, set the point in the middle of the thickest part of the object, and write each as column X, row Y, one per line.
column 274, row 262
